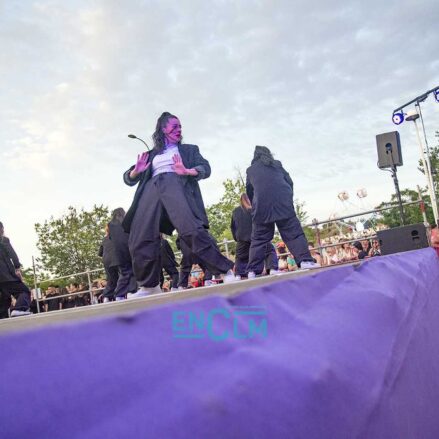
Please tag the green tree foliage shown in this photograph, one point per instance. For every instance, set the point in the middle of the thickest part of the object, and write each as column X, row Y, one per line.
column 220, row 214
column 70, row 244
column 412, row 213
column 434, row 159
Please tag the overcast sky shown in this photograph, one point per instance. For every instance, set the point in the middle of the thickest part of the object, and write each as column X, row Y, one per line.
column 313, row 80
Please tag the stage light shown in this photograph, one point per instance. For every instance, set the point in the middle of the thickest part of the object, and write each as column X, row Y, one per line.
column 398, row 118
column 436, row 95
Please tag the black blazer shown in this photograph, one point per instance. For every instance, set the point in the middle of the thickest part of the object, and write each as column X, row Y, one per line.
column 119, row 238
column 271, row 191
column 191, row 158
column 241, row 225
column 8, row 261
column 107, row 253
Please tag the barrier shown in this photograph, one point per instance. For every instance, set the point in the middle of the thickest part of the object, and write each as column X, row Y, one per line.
column 348, row 352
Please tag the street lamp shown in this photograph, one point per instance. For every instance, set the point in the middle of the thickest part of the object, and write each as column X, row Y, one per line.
column 413, row 115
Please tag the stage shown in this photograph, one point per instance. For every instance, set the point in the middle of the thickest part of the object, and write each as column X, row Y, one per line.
column 339, row 352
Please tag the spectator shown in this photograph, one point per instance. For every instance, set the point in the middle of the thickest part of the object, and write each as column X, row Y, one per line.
column 344, row 252
column 52, row 303
column 282, row 252
column 359, row 250
column 375, row 249
column 435, row 239
column 70, row 301
column 315, row 254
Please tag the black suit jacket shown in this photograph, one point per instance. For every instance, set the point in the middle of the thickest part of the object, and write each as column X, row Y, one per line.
column 271, row 191
column 8, row 261
column 191, row 158
column 241, row 225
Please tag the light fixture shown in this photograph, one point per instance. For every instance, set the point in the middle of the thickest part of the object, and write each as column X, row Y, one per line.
column 398, row 118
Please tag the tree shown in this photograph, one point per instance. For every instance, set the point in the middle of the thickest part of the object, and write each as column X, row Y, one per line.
column 434, row 160
column 412, row 213
column 220, row 214
column 70, row 244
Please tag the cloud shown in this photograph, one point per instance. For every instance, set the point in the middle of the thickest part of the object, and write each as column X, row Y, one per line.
column 315, row 81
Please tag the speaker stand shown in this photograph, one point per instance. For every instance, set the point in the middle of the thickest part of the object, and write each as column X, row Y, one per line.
column 398, row 194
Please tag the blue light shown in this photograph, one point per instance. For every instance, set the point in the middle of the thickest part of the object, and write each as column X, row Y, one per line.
column 398, row 118
column 436, row 95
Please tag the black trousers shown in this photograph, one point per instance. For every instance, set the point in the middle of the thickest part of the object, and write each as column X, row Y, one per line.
column 292, row 234
column 188, row 259
column 126, row 281
column 243, row 254
column 166, row 192
column 20, row 291
column 112, row 275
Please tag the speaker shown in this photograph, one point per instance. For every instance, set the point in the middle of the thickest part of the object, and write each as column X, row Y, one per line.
column 389, row 150
column 402, row 239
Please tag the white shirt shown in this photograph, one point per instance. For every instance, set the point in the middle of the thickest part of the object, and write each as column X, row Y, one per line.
column 164, row 162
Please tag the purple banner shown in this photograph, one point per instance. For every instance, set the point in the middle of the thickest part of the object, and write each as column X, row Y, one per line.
column 350, row 352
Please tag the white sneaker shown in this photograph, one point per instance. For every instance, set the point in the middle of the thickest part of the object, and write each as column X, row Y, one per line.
column 274, row 272
column 251, row 275
column 309, row 265
column 229, row 277
column 118, row 299
column 144, row 292
column 175, row 289
column 106, row 300
column 18, row 313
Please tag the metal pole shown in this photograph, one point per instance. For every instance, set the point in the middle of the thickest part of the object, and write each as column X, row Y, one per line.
column 428, row 175
column 422, row 207
column 398, row 194
column 89, row 287
column 35, row 285
column 226, row 246
column 317, row 232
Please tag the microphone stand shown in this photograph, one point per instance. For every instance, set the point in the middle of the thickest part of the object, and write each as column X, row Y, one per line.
column 132, row 136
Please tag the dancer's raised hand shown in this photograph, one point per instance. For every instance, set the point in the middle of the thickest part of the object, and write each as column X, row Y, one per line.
column 141, row 164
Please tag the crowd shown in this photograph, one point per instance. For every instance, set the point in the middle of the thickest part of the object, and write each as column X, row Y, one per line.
column 138, row 259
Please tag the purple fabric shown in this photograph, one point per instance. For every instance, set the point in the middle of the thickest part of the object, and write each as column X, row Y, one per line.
column 349, row 353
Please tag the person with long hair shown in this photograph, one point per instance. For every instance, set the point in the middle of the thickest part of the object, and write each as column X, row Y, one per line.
column 270, row 190
column 168, row 197
column 241, row 227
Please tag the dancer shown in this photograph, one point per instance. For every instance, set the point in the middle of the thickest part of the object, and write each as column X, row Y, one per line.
column 107, row 253
column 241, row 227
column 11, row 281
column 169, row 264
column 167, row 197
column 126, row 281
column 270, row 189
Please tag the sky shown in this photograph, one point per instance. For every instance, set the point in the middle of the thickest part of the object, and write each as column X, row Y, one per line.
column 315, row 81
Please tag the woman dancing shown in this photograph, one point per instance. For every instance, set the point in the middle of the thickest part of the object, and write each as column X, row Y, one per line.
column 270, row 190
column 168, row 196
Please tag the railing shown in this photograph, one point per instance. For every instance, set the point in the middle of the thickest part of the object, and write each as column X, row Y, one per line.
column 226, row 243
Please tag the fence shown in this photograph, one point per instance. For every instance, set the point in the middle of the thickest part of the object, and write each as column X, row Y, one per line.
column 227, row 244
